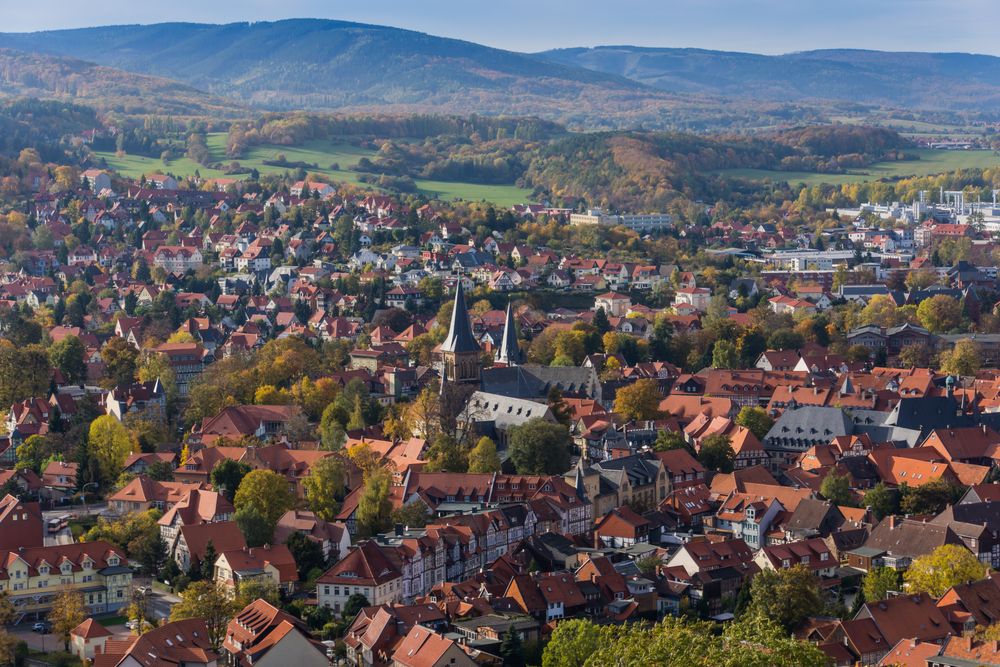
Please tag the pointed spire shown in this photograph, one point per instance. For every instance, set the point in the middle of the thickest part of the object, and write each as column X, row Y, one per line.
column 509, row 352
column 460, row 338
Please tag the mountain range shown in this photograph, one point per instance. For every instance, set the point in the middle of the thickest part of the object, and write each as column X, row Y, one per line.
column 335, row 65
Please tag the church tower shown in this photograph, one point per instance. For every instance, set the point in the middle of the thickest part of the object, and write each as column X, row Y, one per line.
column 509, row 353
column 460, row 351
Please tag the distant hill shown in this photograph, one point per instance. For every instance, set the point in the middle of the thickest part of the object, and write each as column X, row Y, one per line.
column 324, row 65
column 68, row 79
column 952, row 81
column 318, row 63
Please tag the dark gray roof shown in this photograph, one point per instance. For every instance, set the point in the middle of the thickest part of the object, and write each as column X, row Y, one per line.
column 811, row 517
column 908, row 538
column 509, row 352
column 811, row 423
column 460, row 338
column 533, row 381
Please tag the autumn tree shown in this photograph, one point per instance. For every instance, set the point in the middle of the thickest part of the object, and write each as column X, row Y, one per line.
column 120, row 361
column 446, row 455
column 788, row 596
column 724, row 354
column 69, row 356
column 755, row 419
column 374, row 507
column 266, row 493
column 940, row 313
column 68, row 611
column 324, row 487
column 110, row 444
column 640, row 400
column 540, row 448
column 963, row 359
column 716, row 453
column 948, row 565
column 227, row 475
column 879, row 582
column 882, row 501
column 210, row 602
column 483, row 457
column 837, row 489
column 667, row 440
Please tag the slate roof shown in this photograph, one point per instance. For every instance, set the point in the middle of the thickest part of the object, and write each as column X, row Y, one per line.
column 460, row 338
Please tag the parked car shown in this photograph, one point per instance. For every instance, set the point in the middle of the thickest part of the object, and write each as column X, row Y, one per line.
column 42, row 626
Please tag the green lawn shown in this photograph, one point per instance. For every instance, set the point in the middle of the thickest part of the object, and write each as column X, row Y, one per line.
column 931, row 162
column 108, row 621
column 324, row 154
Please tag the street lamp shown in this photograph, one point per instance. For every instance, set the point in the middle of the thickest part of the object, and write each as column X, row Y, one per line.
column 83, row 495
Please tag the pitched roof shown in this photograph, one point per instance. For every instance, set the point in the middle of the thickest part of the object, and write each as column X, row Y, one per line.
column 460, row 338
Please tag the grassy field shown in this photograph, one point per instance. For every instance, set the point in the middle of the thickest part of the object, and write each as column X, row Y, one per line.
column 324, row 154
column 931, row 162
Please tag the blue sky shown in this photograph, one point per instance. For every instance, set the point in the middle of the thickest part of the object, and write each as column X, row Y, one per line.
column 762, row 26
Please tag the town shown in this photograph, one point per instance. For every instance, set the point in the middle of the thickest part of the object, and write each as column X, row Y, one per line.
column 277, row 418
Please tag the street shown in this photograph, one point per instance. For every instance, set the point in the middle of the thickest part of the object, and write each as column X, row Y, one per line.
column 65, row 536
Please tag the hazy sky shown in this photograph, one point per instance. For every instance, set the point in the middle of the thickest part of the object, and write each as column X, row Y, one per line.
column 763, row 26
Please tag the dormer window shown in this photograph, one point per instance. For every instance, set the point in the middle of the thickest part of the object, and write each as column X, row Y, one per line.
column 44, row 569
column 113, row 561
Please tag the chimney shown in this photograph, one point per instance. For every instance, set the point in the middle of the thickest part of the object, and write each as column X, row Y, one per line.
column 892, row 521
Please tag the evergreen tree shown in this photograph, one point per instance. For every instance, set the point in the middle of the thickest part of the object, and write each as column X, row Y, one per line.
column 511, row 650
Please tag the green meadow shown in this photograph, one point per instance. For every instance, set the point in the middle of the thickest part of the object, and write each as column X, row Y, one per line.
column 931, row 162
column 324, row 154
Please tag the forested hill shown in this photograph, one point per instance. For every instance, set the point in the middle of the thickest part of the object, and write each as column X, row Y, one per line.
column 900, row 79
column 307, row 63
column 104, row 88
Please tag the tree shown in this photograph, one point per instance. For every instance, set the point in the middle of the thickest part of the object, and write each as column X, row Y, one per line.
column 354, row 604
column 540, row 448
column 110, row 445
column 948, row 565
column 929, row 498
column 572, row 642
column 255, row 528
column 227, row 476
column 787, row 596
column 755, row 419
column 724, row 354
column 963, row 359
column 331, row 431
column 374, row 507
column 68, row 611
column 882, row 501
column 33, row 453
column 667, row 440
column 600, row 321
column 837, row 489
column 716, row 453
column 120, row 361
column 878, row 582
column 940, row 313
column 324, row 487
column 266, row 493
column 308, row 553
column 68, row 355
column 915, row 355
column 208, row 601
column 640, row 400
column 483, row 457
column 446, row 455
column 161, row 471
column 511, row 650
column 206, row 567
